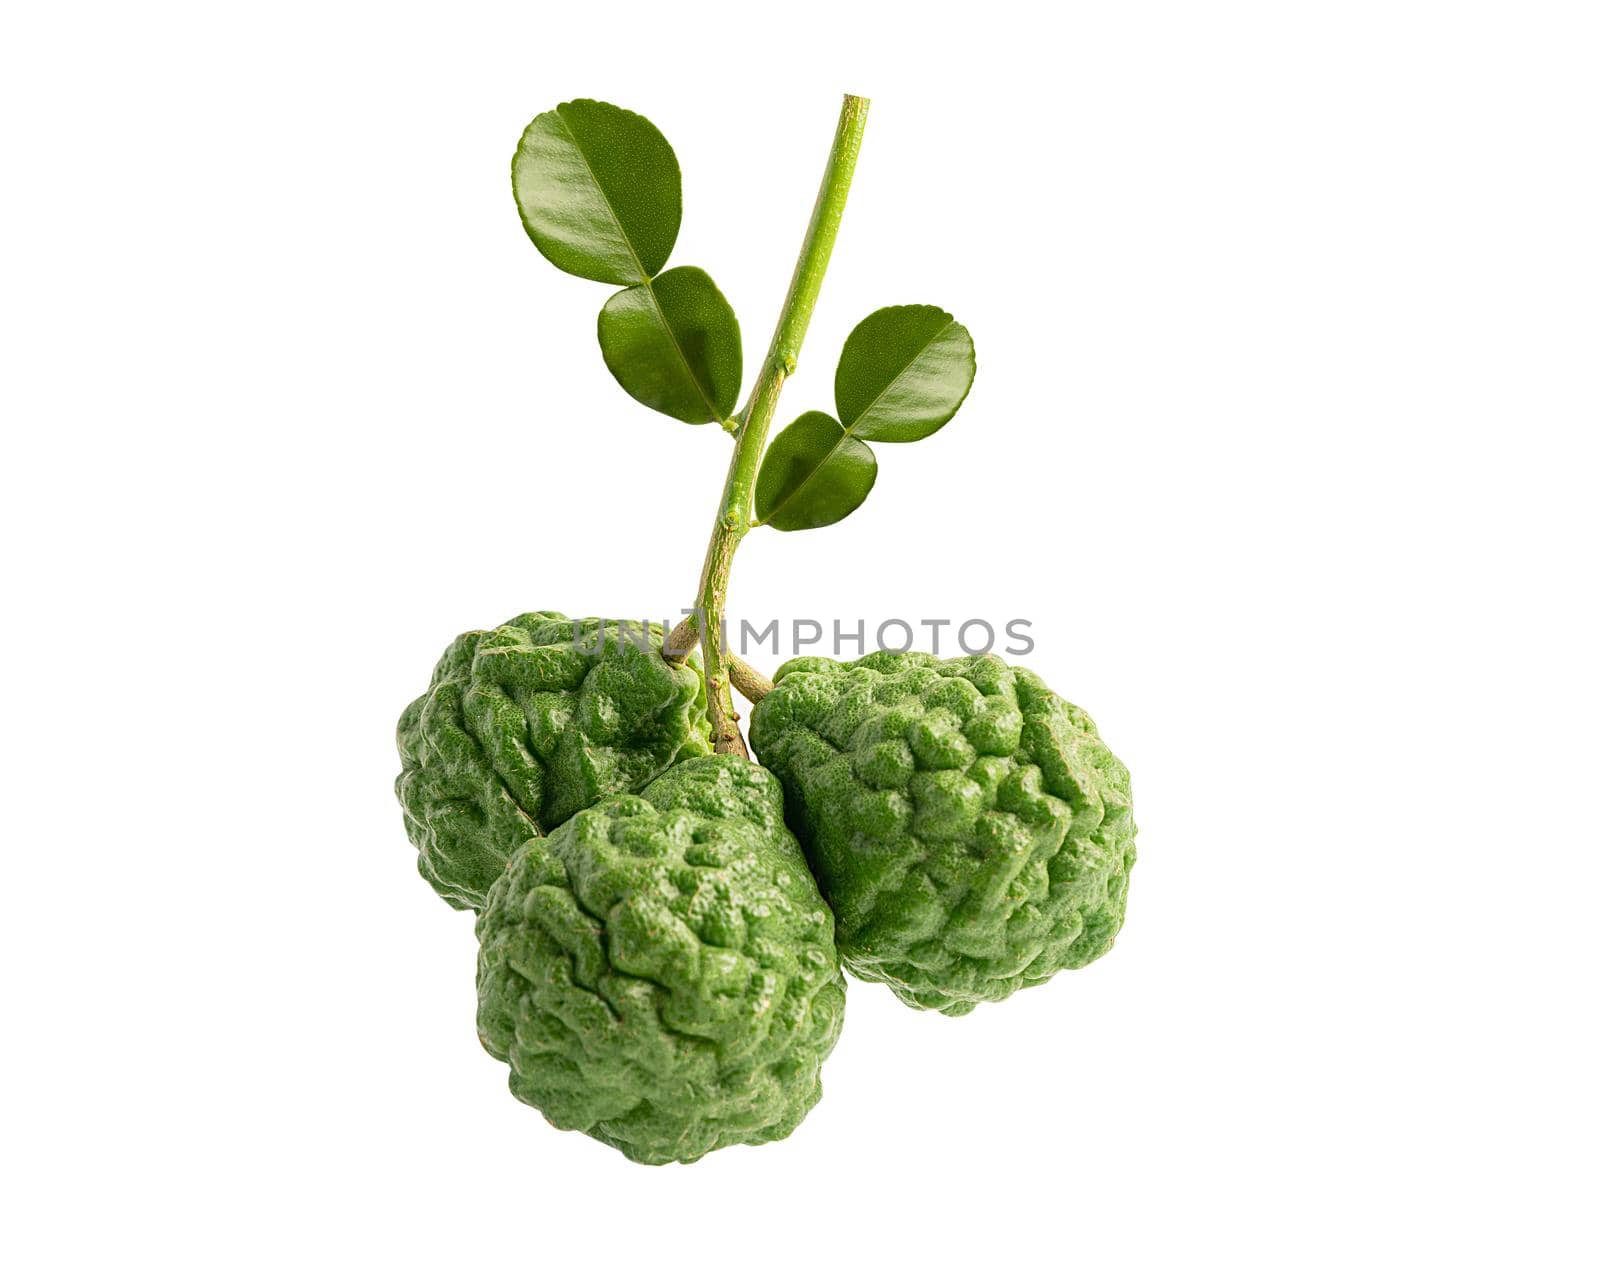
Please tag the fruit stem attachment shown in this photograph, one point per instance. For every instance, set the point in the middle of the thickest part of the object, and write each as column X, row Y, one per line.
column 680, row 642
column 736, row 511
column 683, row 638
column 747, row 680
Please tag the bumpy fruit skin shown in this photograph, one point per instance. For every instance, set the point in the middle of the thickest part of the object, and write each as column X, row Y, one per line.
column 660, row 971
column 969, row 828
column 526, row 724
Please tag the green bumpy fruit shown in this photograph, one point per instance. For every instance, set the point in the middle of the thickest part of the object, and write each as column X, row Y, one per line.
column 528, row 723
column 660, row 972
column 969, row 828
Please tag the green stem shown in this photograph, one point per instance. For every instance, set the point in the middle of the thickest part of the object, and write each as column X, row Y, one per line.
column 736, row 512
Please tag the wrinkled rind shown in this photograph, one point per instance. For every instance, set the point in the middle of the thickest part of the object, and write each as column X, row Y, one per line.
column 969, row 828
column 527, row 723
column 660, row 972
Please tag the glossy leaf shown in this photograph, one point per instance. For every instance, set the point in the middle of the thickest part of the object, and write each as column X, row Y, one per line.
column 813, row 475
column 599, row 191
column 903, row 373
column 673, row 344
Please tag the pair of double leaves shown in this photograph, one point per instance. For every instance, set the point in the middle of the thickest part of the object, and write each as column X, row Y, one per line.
column 600, row 194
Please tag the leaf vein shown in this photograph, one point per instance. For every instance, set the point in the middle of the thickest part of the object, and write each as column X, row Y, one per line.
column 889, row 386
column 638, row 264
column 711, row 407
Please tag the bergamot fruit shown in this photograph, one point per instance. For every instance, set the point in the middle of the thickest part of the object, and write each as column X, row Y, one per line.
column 969, row 828
column 660, row 971
column 527, row 723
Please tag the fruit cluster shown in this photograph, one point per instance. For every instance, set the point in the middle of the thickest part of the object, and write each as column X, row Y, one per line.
column 661, row 921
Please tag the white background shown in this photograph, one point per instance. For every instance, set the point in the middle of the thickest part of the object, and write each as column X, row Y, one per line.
column 1283, row 436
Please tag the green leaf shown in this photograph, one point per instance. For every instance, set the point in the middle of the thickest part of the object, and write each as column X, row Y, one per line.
column 903, row 373
column 673, row 344
column 813, row 475
column 599, row 191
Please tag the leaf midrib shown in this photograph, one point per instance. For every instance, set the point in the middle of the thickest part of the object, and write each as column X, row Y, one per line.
column 672, row 337
column 605, row 198
column 890, row 384
column 815, row 469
